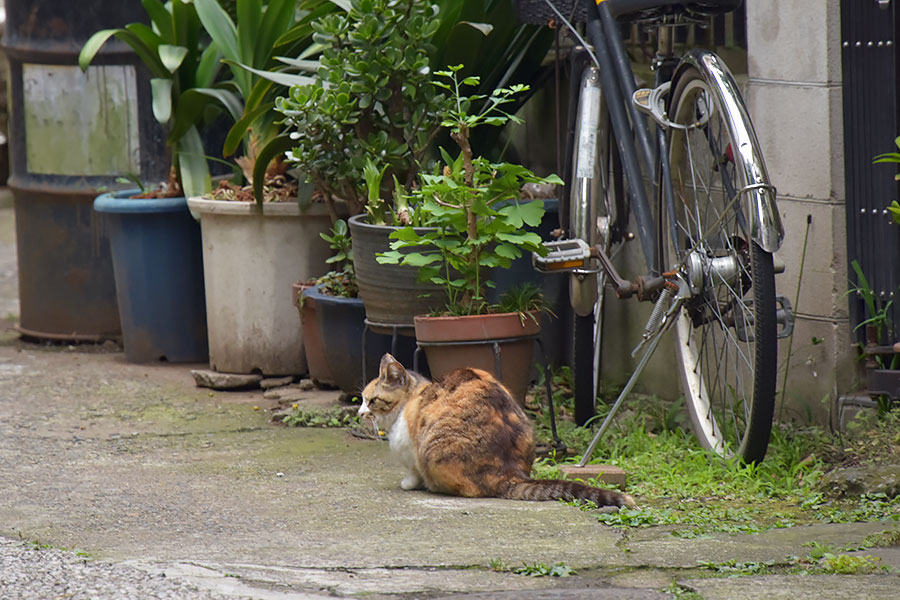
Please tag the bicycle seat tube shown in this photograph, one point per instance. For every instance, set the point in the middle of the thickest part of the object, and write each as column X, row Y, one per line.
column 613, row 90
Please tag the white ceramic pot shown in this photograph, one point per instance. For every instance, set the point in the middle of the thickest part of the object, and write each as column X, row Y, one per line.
column 251, row 258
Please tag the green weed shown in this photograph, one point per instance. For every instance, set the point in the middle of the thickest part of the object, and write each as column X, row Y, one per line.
column 883, row 539
column 695, row 492
column 336, row 417
column 497, row 565
column 541, row 570
column 681, row 592
column 735, row 568
column 826, row 559
column 846, row 564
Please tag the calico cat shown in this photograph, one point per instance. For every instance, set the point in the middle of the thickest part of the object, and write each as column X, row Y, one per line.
column 464, row 435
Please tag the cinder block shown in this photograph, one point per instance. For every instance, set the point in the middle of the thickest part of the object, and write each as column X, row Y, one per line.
column 822, row 367
column 608, row 473
column 824, row 285
column 794, row 41
column 799, row 129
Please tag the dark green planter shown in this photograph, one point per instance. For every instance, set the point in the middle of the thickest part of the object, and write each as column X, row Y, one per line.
column 391, row 293
column 341, row 324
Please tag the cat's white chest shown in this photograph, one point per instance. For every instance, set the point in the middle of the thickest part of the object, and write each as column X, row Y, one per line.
column 400, row 442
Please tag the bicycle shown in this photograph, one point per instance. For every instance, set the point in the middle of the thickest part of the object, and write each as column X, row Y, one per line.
column 683, row 160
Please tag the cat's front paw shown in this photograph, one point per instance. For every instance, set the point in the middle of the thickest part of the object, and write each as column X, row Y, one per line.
column 411, row 482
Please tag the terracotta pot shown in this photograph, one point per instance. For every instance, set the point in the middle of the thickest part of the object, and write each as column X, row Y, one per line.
column 454, row 342
column 312, row 341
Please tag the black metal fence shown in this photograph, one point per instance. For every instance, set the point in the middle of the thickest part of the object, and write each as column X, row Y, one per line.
column 871, row 122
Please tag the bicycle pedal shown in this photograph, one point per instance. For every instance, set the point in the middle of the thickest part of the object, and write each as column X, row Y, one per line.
column 784, row 320
column 784, row 316
column 562, row 255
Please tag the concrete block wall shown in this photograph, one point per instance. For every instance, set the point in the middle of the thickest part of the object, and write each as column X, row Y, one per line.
column 794, row 95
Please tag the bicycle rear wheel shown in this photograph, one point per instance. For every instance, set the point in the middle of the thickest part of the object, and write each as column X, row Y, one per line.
column 726, row 334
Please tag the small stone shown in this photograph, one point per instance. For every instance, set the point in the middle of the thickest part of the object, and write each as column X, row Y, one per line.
column 851, row 482
column 275, row 382
column 111, row 346
column 285, row 394
column 224, row 381
column 307, row 384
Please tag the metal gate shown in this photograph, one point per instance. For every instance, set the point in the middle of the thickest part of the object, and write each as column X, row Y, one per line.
column 871, row 122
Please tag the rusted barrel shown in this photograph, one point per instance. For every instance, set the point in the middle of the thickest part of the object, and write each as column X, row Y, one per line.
column 71, row 133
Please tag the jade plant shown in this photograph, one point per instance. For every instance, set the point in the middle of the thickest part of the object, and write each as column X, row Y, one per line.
column 341, row 280
column 473, row 204
column 371, row 102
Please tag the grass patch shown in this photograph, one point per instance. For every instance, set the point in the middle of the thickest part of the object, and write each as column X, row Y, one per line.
column 333, row 417
column 695, row 493
column 882, row 539
column 534, row 569
column 542, row 570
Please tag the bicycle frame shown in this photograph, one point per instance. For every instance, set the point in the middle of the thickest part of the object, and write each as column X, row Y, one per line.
column 615, row 80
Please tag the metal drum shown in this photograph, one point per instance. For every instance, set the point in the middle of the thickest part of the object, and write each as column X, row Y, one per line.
column 71, row 133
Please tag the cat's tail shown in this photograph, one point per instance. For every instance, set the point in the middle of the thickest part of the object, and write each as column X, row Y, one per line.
column 559, row 489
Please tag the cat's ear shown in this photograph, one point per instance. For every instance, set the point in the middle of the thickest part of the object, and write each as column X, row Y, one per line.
column 391, row 371
column 386, row 361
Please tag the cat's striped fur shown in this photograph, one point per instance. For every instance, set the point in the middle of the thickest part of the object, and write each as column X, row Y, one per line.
column 464, row 435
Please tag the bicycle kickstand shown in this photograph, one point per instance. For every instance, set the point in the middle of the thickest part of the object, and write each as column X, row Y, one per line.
column 649, row 345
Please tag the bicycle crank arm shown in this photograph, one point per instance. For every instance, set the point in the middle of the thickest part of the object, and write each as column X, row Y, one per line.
column 623, row 287
column 575, row 255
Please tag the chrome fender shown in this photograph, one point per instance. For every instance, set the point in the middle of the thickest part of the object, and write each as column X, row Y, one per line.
column 766, row 228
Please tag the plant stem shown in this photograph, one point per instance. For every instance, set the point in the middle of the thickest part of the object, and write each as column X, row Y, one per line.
column 461, row 137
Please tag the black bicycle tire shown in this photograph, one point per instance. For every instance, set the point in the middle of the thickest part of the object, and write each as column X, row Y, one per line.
column 583, row 368
column 756, row 442
column 755, row 439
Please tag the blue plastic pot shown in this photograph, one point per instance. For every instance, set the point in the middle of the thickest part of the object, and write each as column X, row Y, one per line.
column 158, row 268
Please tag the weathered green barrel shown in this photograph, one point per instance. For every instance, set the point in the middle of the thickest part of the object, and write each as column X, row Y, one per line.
column 70, row 133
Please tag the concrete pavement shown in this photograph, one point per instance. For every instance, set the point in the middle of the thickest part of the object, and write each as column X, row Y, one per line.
column 134, row 465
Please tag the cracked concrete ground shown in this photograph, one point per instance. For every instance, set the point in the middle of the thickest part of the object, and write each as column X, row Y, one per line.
column 133, row 464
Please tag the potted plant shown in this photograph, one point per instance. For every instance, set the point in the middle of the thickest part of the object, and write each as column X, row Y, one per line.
column 478, row 221
column 255, row 42
column 363, row 129
column 339, row 329
column 334, row 317
column 155, row 245
column 254, row 251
